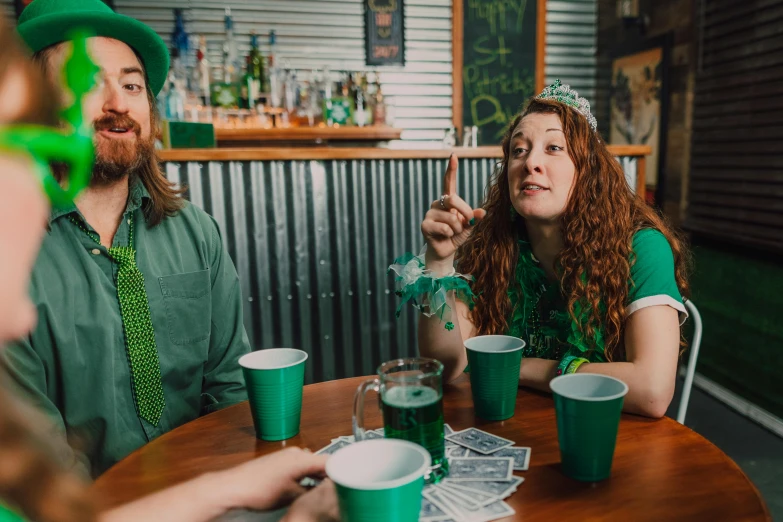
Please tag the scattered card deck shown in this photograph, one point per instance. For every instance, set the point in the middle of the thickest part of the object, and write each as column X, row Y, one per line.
column 479, row 441
column 458, row 451
column 333, row 447
column 481, row 467
column 521, row 456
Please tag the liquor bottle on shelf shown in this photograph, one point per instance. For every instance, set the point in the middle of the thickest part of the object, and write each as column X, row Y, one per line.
column 230, row 55
column 362, row 116
column 175, row 99
column 254, row 75
column 290, row 90
column 181, row 62
column 326, row 91
column 225, row 93
column 200, row 79
column 379, row 106
column 273, row 72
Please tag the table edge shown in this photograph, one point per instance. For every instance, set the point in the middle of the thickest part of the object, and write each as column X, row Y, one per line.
column 625, row 416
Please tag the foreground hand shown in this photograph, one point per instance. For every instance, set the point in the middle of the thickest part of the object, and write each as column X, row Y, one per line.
column 318, row 505
column 446, row 227
column 269, row 482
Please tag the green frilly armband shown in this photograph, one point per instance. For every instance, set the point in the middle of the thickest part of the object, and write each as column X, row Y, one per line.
column 426, row 293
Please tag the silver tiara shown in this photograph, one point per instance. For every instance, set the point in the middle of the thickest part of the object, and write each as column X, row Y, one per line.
column 565, row 94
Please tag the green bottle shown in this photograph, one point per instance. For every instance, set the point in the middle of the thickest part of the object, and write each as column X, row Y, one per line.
column 255, row 74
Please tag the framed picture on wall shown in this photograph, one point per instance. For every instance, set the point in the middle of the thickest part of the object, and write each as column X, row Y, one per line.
column 639, row 104
column 21, row 4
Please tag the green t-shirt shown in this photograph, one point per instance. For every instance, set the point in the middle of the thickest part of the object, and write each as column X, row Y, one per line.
column 548, row 330
column 74, row 364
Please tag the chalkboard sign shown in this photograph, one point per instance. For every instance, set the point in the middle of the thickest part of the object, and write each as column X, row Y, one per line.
column 384, row 32
column 499, row 63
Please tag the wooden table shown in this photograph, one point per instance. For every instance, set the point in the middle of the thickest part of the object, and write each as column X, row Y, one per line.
column 662, row 470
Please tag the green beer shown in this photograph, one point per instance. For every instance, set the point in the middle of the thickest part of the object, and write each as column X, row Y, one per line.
column 415, row 413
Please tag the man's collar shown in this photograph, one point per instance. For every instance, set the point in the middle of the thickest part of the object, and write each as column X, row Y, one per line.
column 59, row 212
column 137, row 192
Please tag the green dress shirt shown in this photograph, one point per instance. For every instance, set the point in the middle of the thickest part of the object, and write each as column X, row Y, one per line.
column 74, row 365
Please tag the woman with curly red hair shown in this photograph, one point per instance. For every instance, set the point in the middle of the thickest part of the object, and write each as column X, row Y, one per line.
column 563, row 255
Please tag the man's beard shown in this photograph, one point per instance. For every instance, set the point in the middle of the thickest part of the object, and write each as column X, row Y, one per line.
column 117, row 158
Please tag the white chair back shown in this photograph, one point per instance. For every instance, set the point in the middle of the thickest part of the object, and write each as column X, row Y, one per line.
column 694, row 355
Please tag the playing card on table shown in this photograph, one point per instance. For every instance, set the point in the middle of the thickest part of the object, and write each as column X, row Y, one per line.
column 484, row 468
column 459, row 501
column 458, row 451
column 333, row 447
column 430, row 512
column 491, row 511
column 481, row 499
column 498, row 509
column 521, row 456
column 436, row 499
column 479, row 441
column 500, row 489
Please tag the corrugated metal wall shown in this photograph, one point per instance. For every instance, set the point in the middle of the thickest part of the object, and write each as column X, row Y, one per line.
column 571, row 44
column 312, row 240
column 318, row 33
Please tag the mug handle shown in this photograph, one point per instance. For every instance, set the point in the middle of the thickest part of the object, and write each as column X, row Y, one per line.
column 358, row 406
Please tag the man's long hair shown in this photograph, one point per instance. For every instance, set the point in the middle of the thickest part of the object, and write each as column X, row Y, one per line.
column 165, row 197
column 598, row 225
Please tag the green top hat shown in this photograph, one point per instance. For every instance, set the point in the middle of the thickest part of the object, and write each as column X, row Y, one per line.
column 47, row 22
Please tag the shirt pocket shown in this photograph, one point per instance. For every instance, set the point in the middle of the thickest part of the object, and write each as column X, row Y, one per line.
column 188, row 303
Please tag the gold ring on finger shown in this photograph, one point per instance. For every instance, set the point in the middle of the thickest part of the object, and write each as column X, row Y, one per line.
column 443, row 201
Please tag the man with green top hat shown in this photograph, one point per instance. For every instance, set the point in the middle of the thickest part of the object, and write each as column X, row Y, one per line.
column 140, row 310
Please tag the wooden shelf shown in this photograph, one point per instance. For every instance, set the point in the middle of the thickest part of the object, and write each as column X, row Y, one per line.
column 374, row 153
column 371, row 133
column 320, row 153
column 329, row 153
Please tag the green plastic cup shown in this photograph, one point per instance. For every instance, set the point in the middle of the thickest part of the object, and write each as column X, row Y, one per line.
column 379, row 480
column 587, row 407
column 274, row 379
column 494, row 374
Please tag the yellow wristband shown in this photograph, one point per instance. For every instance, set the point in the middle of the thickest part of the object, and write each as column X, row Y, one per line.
column 575, row 364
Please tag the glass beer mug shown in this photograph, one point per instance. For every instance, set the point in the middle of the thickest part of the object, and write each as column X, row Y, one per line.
column 411, row 399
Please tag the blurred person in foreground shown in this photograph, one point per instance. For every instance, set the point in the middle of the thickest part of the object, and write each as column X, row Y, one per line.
column 37, row 482
column 140, row 322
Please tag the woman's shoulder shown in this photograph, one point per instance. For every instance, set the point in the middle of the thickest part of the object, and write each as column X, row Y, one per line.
column 653, row 280
column 650, row 239
column 649, row 247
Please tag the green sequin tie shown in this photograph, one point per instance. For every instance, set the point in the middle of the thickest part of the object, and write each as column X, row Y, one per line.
column 139, row 333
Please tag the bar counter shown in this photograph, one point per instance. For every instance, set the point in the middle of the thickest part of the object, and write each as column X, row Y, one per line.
column 254, row 137
column 324, row 153
column 313, row 230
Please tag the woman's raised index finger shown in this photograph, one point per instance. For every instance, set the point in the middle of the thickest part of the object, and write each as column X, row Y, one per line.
column 450, row 178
